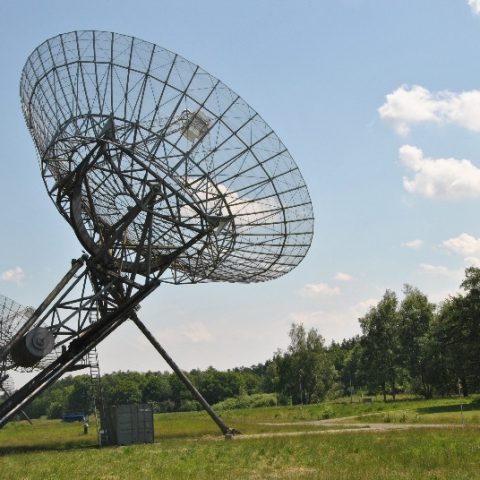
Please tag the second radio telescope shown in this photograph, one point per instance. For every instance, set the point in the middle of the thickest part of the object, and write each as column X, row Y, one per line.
column 128, row 131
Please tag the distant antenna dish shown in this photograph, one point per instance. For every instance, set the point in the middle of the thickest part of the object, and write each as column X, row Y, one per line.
column 37, row 345
column 165, row 175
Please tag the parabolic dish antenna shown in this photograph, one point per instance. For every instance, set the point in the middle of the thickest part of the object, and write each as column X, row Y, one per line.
column 165, row 175
column 127, row 124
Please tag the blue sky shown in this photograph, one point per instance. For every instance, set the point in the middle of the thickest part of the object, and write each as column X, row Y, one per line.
column 378, row 102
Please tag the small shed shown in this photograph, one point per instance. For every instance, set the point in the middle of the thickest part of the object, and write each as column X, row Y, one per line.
column 129, row 424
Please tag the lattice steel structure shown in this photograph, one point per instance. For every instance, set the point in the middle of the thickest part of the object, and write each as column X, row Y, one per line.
column 151, row 129
column 165, row 175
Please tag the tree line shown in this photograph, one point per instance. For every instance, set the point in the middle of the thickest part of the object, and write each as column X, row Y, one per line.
column 407, row 346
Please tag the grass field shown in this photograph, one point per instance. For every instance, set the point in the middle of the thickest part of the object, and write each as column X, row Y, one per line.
column 189, row 446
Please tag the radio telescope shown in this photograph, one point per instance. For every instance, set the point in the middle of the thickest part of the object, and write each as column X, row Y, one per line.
column 12, row 316
column 165, row 175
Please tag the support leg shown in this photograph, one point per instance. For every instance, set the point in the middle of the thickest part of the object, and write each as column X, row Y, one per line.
column 198, row 396
column 27, row 418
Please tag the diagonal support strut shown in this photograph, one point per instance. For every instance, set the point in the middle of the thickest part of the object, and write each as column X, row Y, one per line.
column 186, row 381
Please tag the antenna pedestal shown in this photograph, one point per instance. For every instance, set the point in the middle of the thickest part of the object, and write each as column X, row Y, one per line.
column 82, row 341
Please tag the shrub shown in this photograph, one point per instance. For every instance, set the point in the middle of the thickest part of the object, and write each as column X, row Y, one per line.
column 248, row 401
column 189, row 406
column 327, row 413
column 163, row 407
column 263, row 400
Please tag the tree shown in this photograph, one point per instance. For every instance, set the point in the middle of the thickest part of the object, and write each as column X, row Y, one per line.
column 122, row 388
column 435, row 361
column 347, row 361
column 380, row 342
column 55, row 410
column 414, row 319
column 458, row 332
column 270, row 377
column 80, row 398
column 156, row 388
column 179, row 392
column 305, row 371
column 216, row 386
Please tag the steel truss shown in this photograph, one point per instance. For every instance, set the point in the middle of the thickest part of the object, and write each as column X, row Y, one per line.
column 87, row 288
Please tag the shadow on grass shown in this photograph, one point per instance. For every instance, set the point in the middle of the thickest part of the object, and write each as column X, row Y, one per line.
column 57, row 447
column 471, row 406
column 376, row 401
column 69, row 446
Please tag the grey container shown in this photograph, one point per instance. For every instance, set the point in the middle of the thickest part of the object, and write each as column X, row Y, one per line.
column 130, row 424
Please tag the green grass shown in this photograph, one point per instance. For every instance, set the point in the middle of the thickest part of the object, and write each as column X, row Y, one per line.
column 442, row 454
column 446, row 410
column 189, row 446
column 44, row 434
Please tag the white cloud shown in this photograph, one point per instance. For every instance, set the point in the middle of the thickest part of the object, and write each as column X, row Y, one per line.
column 308, row 319
column 319, row 289
column 465, row 245
column 414, row 244
column 446, row 178
column 335, row 324
column 362, row 307
column 408, row 106
column 472, row 261
column 197, row 332
column 14, row 275
column 193, row 332
column 440, row 281
column 437, row 270
column 405, row 107
column 343, row 277
column 475, row 6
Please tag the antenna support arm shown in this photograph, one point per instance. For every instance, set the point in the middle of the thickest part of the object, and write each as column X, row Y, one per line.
column 186, row 381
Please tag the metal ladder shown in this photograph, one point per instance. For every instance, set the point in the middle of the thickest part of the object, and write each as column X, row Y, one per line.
column 91, row 359
column 97, row 391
